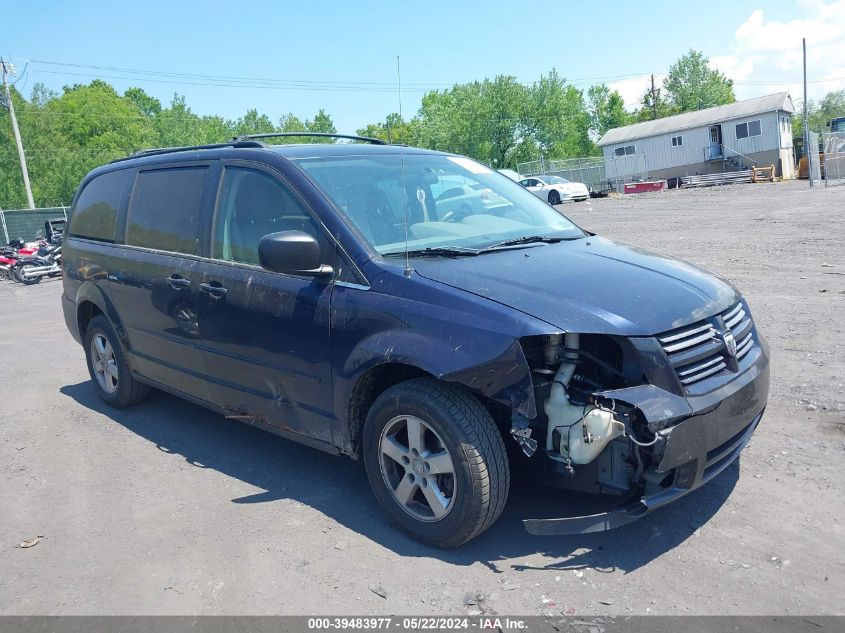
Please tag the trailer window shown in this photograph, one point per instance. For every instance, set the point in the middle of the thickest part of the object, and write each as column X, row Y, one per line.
column 751, row 128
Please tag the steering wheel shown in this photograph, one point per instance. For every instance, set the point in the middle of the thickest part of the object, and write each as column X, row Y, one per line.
column 456, row 215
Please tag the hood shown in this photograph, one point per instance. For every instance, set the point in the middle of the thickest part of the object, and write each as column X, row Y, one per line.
column 574, row 187
column 591, row 285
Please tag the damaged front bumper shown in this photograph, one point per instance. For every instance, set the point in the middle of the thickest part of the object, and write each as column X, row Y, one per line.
column 701, row 437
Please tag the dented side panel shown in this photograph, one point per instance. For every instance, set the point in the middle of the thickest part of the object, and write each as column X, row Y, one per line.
column 267, row 348
column 442, row 332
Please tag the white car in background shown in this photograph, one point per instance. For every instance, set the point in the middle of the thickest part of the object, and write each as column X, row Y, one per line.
column 555, row 189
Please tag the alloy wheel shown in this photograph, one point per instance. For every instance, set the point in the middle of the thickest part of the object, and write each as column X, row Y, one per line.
column 103, row 363
column 417, row 468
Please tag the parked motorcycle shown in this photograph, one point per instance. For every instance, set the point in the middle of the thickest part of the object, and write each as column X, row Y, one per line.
column 9, row 255
column 47, row 263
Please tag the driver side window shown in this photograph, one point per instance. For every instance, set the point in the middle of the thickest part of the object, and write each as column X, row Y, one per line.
column 254, row 204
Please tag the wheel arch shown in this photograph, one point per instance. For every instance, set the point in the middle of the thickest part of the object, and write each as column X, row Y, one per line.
column 92, row 300
column 369, row 386
column 374, row 381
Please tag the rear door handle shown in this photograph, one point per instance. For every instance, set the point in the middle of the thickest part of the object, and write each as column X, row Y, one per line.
column 214, row 290
column 177, row 283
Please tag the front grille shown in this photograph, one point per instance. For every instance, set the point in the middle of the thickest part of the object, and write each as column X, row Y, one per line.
column 699, row 350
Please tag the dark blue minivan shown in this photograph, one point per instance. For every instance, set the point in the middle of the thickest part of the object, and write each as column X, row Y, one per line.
column 420, row 312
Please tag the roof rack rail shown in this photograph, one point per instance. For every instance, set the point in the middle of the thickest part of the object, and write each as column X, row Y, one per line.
column 169, row 150
column 366, row 139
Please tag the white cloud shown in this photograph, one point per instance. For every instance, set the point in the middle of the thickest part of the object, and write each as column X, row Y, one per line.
column 633, row 89
column 732, row 66
column 765, row 55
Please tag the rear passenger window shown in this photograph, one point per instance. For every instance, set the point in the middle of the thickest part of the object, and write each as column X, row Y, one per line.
column 254, row 204
column 96, row 209
column 165, row 209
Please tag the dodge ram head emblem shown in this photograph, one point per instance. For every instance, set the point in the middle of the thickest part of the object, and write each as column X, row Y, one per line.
column 730, row 343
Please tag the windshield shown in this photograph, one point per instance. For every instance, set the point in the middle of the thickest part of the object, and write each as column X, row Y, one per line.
column 450, row 201
column 556, row 180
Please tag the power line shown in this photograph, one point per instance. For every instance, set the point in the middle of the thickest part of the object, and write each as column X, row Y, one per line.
column 295, row 81
column 221, row 84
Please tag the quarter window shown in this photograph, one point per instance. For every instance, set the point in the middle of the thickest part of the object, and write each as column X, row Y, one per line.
column 254, row 204
column 751, row 128
column 165, row 210
column 95, row 212
column 677, row 141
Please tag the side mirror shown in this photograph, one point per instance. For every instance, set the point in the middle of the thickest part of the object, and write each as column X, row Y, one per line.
column 292, row 253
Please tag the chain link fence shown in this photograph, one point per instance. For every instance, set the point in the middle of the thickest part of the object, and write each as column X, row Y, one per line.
column 622, row 169
column 599, row 173
column 834, row 158
column 25, row 223
column 589, row 171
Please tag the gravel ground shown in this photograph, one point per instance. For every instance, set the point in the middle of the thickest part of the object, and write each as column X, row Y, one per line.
column 169, row 509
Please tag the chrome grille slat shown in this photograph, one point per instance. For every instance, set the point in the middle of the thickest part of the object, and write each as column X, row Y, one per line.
column 728, row 314
column 696, row 354
column 742, row 329
column 745, row 346
column 684, row 334
column 683, row 373
column 700, row 338
column 697, row 351
column 731, row 322
column 704, row 374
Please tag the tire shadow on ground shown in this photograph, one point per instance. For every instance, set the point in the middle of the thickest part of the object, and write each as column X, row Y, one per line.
column 338, row 488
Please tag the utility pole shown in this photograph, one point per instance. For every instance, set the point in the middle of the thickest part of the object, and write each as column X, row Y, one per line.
column 807, row 148
column 9, row 69
column 653, row 99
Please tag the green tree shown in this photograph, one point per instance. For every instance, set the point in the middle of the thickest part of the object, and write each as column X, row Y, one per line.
column 606, row 110
column 177, row 125
column 819, row 114
column 147, row 105
column 323, row 124
column 66, row 136
column 653, row 107
column 558, row 119
column 254, row 123
column 693, row 85
column 394, row 130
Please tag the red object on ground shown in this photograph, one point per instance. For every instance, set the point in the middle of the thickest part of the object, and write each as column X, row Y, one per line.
column 642, row 187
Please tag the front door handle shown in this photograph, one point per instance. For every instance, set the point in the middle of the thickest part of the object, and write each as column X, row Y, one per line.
column 214, row 290
column 177, row 283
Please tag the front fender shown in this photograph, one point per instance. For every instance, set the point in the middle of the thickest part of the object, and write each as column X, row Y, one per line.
column 493, row 366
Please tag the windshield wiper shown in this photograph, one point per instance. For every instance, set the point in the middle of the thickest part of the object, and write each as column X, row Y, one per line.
column 527, row 239
column 436, row 251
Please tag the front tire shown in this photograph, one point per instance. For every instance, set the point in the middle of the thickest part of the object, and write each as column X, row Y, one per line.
column 108, row 367
column 554, row 197
column 436, row 461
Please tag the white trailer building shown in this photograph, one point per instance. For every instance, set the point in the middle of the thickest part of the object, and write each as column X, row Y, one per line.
column 755, row 132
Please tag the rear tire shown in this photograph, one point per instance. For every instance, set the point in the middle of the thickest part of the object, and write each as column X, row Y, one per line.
column 108, row 367
column 20, row 271
column 554, row 197
column 454, row 478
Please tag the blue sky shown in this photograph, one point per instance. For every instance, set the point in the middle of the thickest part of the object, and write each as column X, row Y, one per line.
column 439, row 44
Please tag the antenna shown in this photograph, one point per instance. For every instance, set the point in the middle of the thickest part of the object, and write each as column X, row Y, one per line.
column 402, row 159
